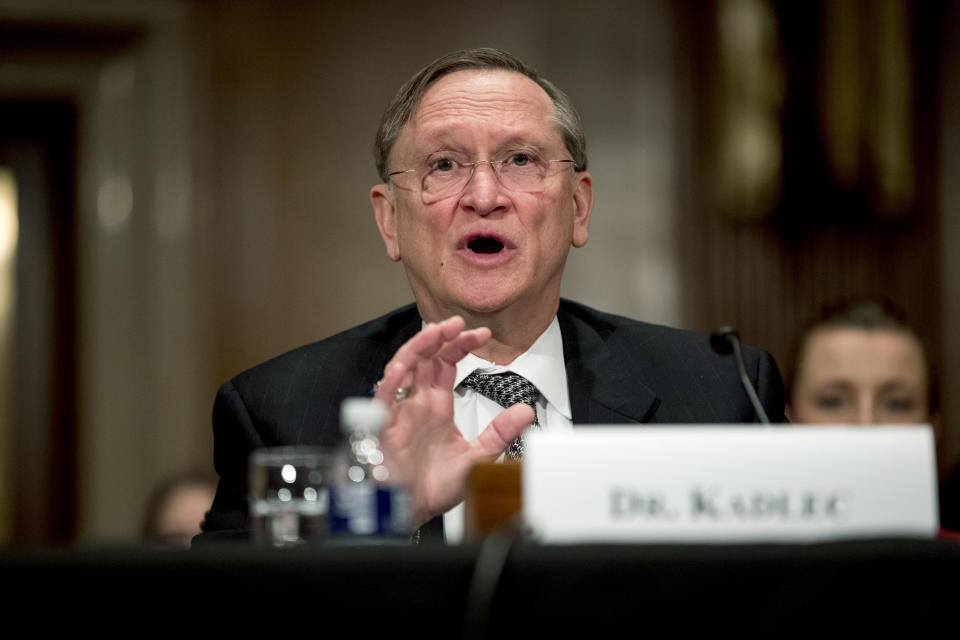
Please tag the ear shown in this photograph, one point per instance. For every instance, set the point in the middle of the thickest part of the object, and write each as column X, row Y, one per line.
column 582, row 208
column 385, row 211
column 788, row 412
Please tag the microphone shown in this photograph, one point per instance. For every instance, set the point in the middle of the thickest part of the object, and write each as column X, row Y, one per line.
column 726, row 340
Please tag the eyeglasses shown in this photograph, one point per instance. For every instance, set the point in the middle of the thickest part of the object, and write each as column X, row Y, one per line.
column 445, row 174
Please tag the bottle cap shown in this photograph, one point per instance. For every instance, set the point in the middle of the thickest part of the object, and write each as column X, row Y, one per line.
column 367, row 414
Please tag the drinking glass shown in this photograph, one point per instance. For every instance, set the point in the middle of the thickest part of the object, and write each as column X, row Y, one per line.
column 289, row 495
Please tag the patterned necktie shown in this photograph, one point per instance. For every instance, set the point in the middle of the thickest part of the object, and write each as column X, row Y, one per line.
column 506, row 389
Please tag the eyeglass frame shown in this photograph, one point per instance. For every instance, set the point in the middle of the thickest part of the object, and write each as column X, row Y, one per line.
column 473, row 170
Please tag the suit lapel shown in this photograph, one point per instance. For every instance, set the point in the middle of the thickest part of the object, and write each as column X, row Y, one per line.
column 602, row 388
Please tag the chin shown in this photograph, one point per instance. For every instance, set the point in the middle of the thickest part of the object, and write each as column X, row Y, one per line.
column 486, row 308
column 484, row 304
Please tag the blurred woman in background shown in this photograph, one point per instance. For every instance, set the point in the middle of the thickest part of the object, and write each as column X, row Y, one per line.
column 177, row 508
column 861, row 362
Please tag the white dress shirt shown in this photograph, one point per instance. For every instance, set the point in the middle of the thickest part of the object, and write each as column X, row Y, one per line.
column 543, row 365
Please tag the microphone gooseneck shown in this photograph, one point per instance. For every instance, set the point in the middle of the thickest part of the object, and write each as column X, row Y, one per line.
column 726, row 340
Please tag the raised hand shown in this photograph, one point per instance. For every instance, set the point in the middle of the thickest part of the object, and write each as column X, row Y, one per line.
column 422, row 445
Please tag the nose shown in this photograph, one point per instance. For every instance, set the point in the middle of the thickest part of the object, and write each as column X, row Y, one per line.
column 483, row 194
column 866, row 413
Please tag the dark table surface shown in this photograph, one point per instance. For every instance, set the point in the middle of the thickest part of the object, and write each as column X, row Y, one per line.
column 500, row 588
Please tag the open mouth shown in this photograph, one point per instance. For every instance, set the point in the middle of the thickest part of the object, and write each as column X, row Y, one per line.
column 485, row 244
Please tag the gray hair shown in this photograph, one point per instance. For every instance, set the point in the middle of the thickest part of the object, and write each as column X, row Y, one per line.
column 408, row 98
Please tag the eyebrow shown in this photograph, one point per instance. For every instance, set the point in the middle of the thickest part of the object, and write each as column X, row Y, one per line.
column 837, row 382
column 899, row 385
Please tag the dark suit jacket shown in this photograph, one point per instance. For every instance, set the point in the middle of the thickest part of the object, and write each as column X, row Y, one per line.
column 618, row 371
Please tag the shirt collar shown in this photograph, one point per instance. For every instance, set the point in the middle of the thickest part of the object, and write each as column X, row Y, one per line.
column 542, row 364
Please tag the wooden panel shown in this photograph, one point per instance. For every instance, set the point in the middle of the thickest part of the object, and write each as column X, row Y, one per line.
column 767, row 275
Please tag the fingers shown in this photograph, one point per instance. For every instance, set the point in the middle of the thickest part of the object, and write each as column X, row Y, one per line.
column 502, row 431
column 465, row 342
column 393, row 378
column 428, row 354
column 399, row 371
column 441, row 369
column 427, row 342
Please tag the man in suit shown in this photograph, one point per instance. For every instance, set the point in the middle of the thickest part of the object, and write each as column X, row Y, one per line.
column 485, row 189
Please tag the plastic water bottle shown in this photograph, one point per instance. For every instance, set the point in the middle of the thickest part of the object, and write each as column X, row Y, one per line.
column 364, row 500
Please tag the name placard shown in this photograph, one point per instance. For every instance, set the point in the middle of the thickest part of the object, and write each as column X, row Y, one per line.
column 730, row 483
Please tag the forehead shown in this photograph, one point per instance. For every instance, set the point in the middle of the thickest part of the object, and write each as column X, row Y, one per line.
column 862, row 355
column 483, row 102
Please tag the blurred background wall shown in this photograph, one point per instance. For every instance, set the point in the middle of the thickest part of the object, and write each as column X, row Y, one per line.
column 191, row 178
